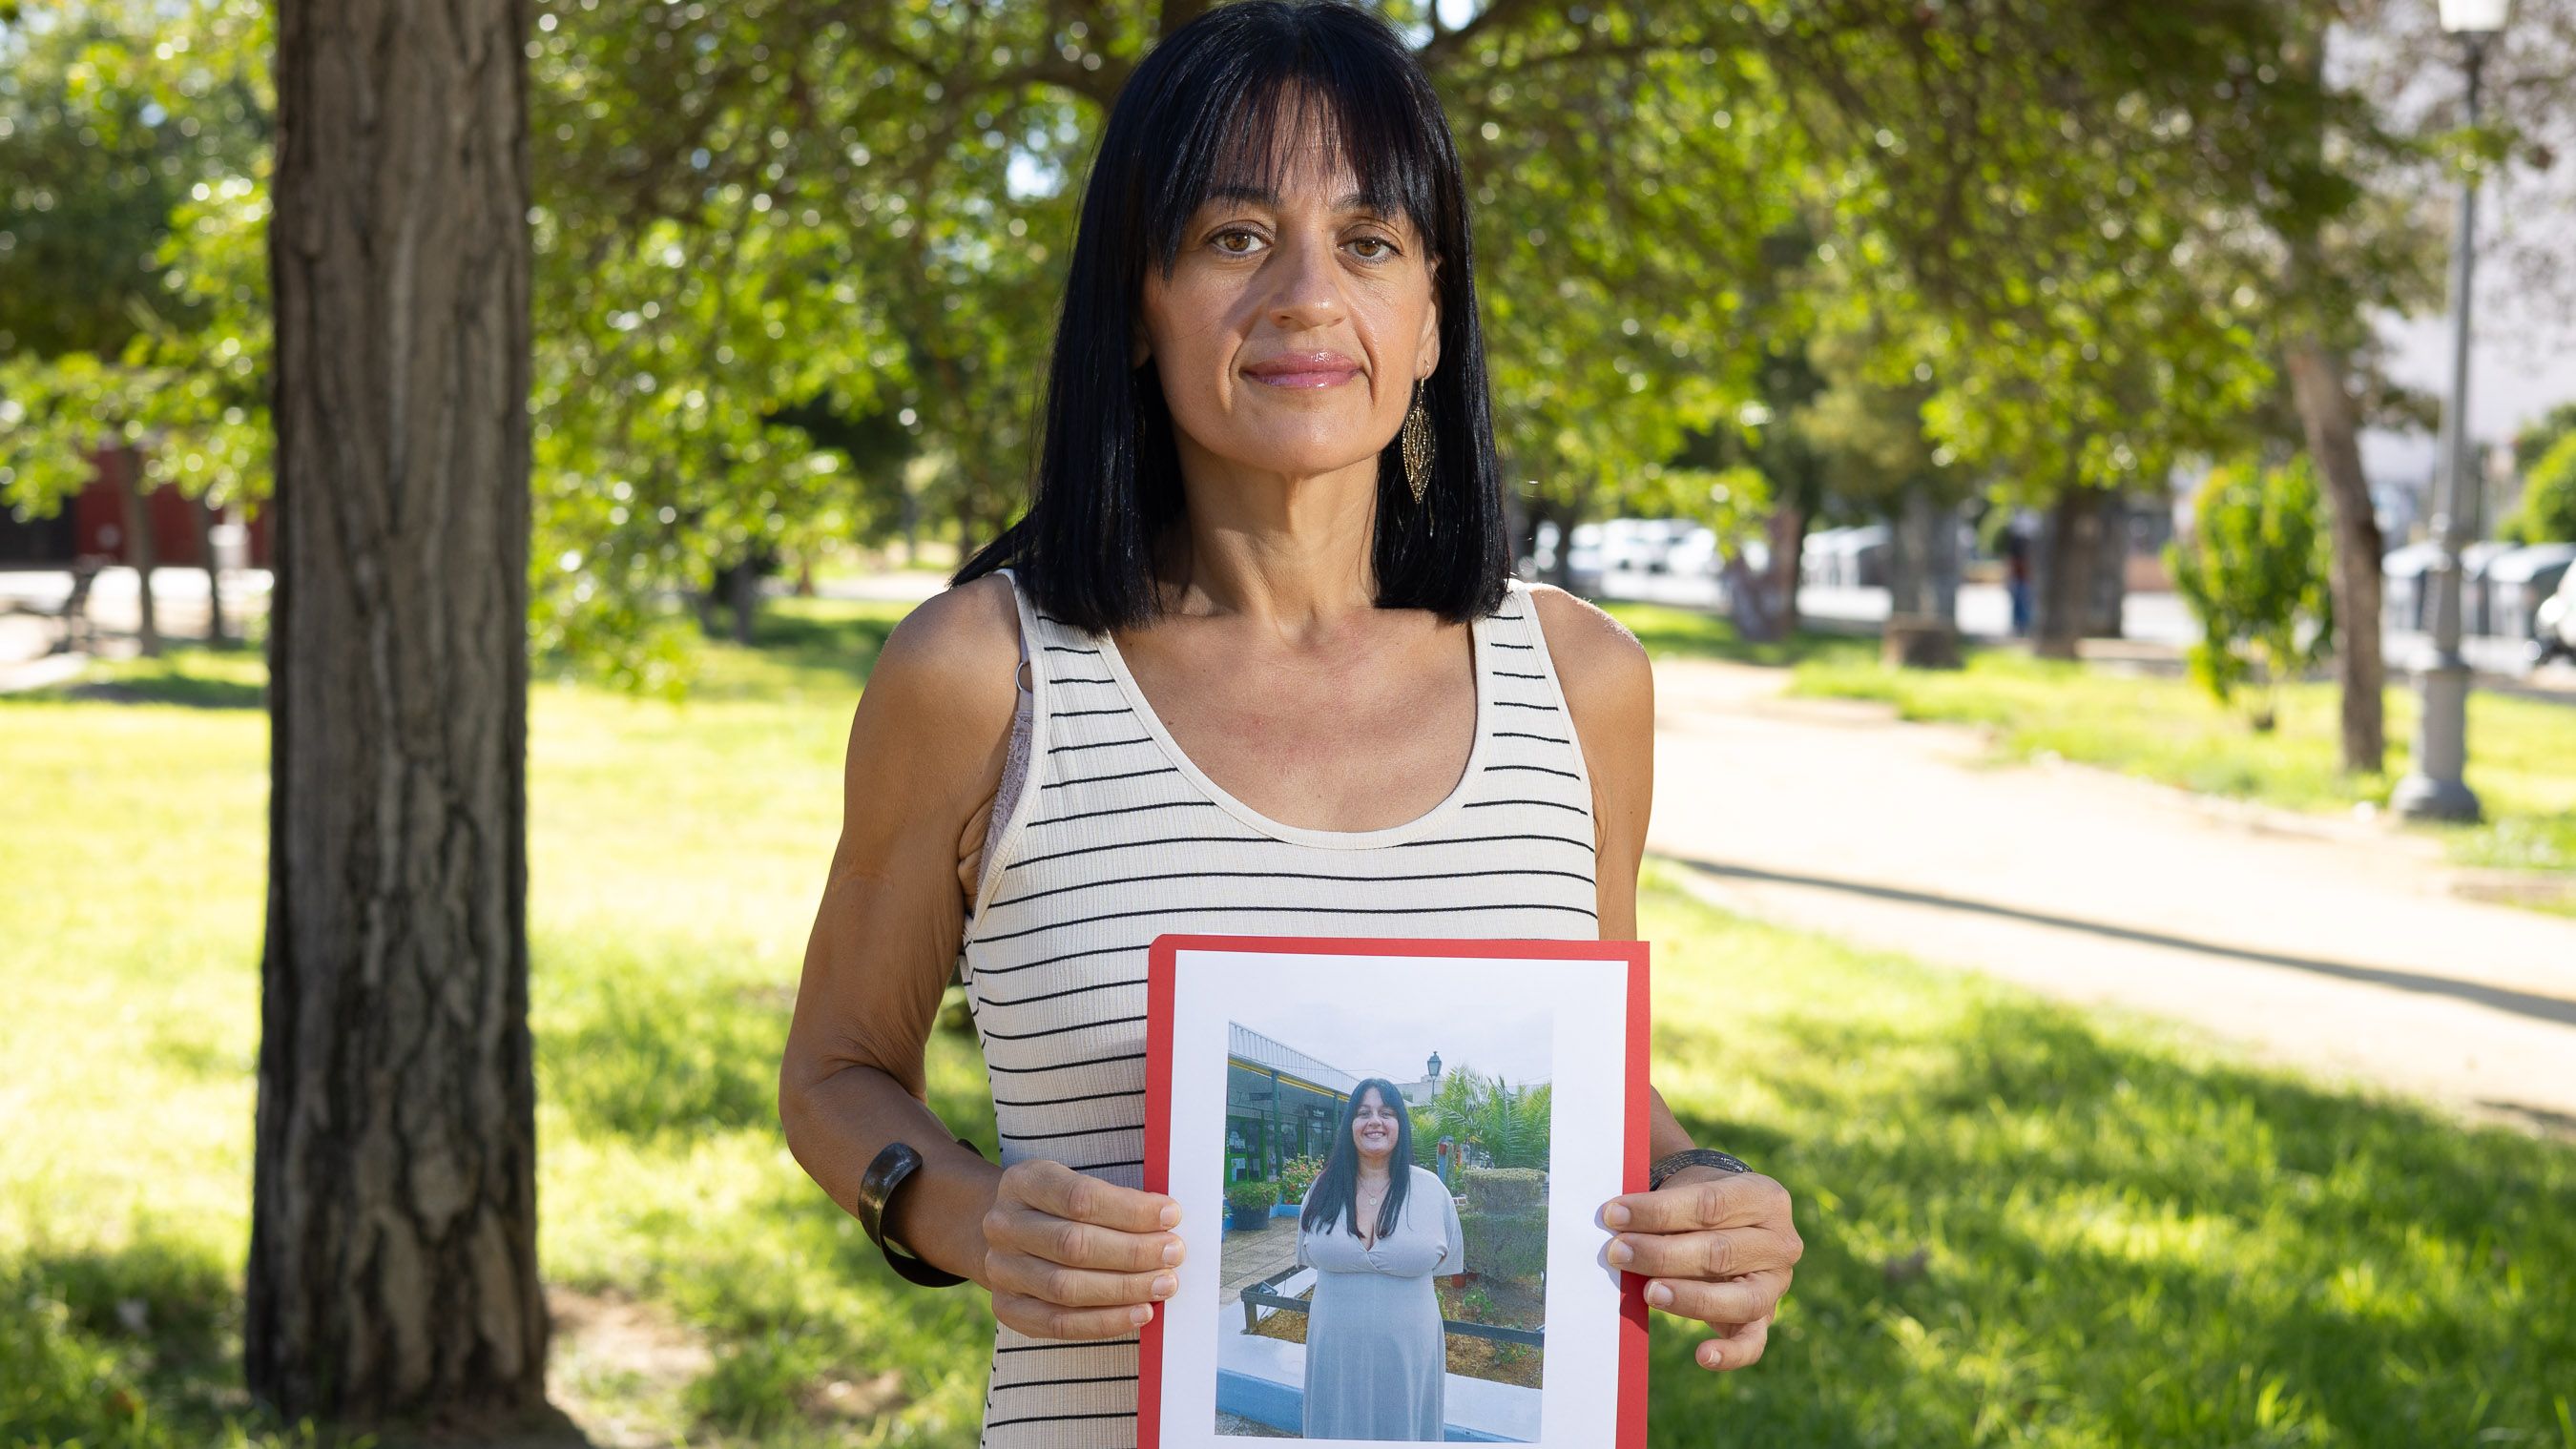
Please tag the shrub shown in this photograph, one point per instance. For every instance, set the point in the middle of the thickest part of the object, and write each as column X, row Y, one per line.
column 1507, row 1244
column 2548, row 511
column 1296, row 1175
column 1250, row 1196
column 2255, row 577
column 1502, row 1189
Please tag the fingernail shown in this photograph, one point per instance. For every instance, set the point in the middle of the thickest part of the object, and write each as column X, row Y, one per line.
column 1659, row 1294
column 1616, row 1215
column 1163, row 1286
column 1171, row 1215
column 1708, row 1356
column 1171, row 1252
column 1141, row 1314
column 1620, row 1252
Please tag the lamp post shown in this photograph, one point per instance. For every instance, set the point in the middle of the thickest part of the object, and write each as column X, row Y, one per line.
column 2433, row 788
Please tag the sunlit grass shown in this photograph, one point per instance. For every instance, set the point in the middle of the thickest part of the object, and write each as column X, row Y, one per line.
column 2122, row 1239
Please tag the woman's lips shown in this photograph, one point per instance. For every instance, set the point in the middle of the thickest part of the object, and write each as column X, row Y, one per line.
column 1307, row 377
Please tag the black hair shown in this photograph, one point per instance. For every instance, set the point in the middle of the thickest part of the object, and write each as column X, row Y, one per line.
column 1336, row 1193
column 1211, row 105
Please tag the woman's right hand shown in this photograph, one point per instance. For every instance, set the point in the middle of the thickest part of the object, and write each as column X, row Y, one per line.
column 1067, row 1255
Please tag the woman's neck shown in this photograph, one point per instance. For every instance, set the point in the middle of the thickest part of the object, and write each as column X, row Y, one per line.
column 1378, row 1172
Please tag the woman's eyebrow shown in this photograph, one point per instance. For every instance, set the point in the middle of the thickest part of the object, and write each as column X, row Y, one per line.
column 1264, row 196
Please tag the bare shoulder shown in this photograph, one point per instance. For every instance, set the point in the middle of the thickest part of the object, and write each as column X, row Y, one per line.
column 1600, row 664
column 940, row 697
column 1609, row 685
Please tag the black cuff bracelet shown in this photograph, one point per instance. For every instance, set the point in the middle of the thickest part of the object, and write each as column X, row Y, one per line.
column 1671, row 1163
column 876, row 1188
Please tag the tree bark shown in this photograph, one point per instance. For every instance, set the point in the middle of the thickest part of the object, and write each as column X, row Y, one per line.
column 2062, row 572
column 139, row 552
column 216, row 633
column 1788, row 540
column 2106, row 599
column 393, row 1270
column 2327, row 414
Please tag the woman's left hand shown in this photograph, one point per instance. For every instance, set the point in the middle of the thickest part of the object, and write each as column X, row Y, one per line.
column 1714, row 1246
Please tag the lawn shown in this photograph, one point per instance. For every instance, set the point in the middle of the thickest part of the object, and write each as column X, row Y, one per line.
column 2027, row 1225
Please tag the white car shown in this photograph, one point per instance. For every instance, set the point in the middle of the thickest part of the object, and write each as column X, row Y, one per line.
column 2553, row 624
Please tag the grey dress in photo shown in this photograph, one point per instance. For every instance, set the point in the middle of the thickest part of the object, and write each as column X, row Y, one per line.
column 1376, row 1355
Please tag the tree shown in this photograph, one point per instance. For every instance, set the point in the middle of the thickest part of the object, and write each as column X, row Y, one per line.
column 2548, row 511
column 128, row 134
column 393, row 1268
column 2254, row 574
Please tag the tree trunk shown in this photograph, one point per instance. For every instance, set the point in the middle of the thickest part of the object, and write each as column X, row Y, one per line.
column 2105, row 602
column 393, row 1269
column 742, row 592
column 2327, row 413
column 1788, row 540
column 139, row 552
column 216, row 633
column 2062, row 572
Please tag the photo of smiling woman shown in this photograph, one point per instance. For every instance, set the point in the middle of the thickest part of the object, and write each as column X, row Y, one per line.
column 1376, row 1228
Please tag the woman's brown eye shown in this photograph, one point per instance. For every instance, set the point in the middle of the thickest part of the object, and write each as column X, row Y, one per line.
column 1221, row 236
column 1379, row 241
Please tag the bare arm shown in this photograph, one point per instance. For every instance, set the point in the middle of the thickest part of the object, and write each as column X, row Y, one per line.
column 1064, row 1255
column 926, row 745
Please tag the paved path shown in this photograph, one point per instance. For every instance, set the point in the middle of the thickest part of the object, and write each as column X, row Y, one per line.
column 2328, row 944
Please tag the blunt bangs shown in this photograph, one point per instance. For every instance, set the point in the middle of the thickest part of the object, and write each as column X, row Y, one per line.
column 1216, row 110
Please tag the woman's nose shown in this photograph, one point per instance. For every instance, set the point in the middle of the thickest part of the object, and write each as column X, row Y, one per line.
column 1308, row 290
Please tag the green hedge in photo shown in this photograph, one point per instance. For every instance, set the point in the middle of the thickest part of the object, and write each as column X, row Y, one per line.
column 1507, row 1244
column 1502, row 1189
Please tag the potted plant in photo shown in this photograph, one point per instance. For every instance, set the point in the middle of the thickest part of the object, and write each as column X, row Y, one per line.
column 1296, row 1175
column 1249, row 1203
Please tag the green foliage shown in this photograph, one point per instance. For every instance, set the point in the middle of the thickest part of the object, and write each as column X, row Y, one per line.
column 1509, row 1124
column 2255, row 575
column 1506, row 1244
column 2548, row 511
column 2535, row 440
column 1502, row 1189
column 1252, row 1195
column 133, row 258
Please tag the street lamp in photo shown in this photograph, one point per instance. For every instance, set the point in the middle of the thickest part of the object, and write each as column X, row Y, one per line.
column 2434, row 788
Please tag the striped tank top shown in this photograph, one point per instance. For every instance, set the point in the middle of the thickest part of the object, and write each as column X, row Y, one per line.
column 1111, row 836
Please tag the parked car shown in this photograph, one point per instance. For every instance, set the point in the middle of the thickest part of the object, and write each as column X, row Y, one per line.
column 2517, row 581
column 1694, row 554
column 2553, row 624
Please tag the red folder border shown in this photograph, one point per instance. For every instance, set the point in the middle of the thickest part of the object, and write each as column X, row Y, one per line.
column 1159, row 986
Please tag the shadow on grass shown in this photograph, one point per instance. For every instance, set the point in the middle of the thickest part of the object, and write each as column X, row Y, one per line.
column 196, row 677
column 2020, row 1228
column 137, row 1346
column 646, row 1058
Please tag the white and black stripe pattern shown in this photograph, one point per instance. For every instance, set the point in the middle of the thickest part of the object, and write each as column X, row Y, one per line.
column 1116, row 837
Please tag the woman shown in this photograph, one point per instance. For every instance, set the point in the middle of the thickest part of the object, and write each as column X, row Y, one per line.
column 1376, row 1229
column 1274, row 678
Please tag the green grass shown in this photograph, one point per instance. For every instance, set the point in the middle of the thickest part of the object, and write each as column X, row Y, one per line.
column 2522, row 752
column 2125, row 1238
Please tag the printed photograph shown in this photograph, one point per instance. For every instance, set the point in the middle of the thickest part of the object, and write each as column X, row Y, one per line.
column 1385, row 1248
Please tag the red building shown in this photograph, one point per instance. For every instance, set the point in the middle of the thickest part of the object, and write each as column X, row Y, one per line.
column 93, row 524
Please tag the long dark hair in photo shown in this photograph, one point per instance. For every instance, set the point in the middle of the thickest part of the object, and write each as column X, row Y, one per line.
column 1335, row 1197
column 1211, row 105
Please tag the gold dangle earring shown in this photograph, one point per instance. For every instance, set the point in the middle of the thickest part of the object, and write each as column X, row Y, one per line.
column 1417, row 445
